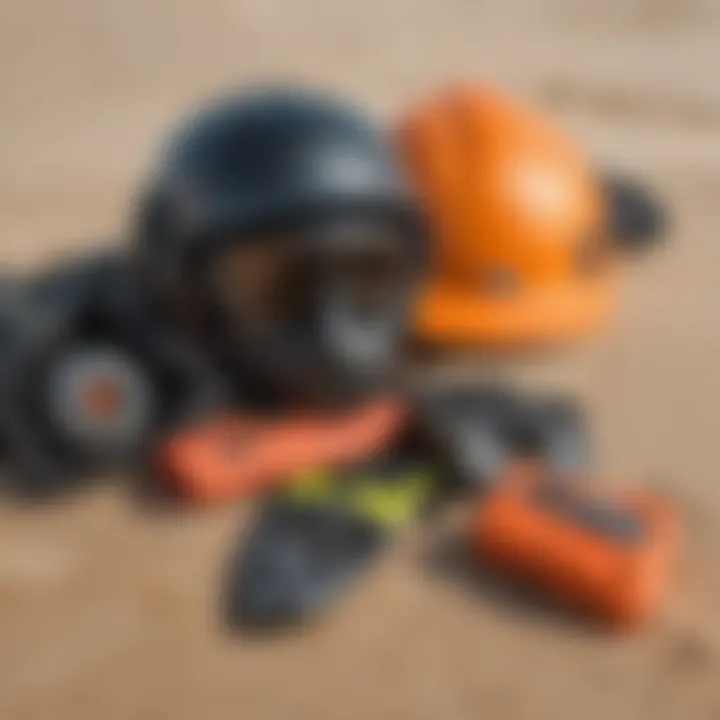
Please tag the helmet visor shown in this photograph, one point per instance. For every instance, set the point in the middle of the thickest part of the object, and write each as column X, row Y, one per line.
column 330, row 297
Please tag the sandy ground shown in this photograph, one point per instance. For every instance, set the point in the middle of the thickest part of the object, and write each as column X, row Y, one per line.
column 107, row 611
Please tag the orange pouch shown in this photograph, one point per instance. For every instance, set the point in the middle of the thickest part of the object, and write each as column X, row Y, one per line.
column 605, row 557
column 235, row 456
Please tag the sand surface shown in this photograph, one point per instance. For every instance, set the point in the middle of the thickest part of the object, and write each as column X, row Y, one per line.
column 108, row 611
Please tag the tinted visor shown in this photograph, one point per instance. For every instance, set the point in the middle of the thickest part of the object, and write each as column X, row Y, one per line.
column 273, row 283
column 328, row 300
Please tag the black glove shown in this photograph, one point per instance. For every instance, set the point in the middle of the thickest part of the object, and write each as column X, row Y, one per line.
column 310, row 543
column 475, row 432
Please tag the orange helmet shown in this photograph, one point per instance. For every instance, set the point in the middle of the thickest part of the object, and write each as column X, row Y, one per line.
column 523, row 250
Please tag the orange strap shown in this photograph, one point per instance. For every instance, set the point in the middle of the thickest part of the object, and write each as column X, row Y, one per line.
column 234, row 456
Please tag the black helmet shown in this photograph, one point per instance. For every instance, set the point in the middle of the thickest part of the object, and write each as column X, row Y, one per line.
column 291, row 169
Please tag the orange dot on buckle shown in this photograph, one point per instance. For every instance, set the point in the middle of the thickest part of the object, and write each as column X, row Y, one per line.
column 102, row 400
